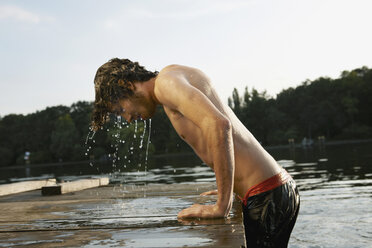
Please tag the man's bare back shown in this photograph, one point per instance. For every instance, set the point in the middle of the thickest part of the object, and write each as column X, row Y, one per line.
column 252, row 163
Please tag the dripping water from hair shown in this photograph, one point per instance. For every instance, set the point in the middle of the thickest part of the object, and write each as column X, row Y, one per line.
column 148, row 141
column 120, row 162
column 89, row 138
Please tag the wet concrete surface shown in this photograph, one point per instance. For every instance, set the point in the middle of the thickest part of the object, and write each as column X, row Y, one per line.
column 116, row 216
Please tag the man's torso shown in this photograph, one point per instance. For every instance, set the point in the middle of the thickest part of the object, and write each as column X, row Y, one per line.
column 252, row 163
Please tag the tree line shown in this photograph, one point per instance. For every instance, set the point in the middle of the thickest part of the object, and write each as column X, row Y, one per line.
column 334, row 108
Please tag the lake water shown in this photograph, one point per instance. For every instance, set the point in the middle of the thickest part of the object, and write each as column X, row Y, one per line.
column 335, row 184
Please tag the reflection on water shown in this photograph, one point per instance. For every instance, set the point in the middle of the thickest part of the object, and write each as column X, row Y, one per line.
column 335, row 184
column 336, row 188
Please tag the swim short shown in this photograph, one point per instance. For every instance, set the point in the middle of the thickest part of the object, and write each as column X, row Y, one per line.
column 270, row 210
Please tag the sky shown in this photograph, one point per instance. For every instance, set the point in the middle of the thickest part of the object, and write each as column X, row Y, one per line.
column 50, row 50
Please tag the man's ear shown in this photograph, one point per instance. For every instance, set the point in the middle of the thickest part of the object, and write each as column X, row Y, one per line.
column 131, row 86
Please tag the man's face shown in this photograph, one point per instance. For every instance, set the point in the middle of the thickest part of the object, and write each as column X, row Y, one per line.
column 135, row 108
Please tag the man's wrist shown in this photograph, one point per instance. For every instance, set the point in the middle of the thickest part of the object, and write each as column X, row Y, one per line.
column 223, row 209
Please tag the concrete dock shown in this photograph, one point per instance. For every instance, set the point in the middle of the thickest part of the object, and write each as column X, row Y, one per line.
column 116, row 216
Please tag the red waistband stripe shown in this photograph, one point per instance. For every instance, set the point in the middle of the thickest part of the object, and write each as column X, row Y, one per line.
column 269, row 184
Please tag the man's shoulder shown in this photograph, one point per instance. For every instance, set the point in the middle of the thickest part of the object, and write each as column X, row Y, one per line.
column 170, row 82
column 167, row 75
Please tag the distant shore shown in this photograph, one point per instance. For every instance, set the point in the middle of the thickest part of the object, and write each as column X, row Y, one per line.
column 326, row 143
column 167, row 155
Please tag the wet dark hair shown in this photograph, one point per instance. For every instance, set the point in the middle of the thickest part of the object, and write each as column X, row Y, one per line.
column 113, row 82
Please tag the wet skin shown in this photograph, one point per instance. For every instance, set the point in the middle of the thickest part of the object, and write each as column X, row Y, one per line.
column 210, row 127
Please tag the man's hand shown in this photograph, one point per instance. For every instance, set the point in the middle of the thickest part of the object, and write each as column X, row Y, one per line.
column 202, row 211
column 212, row 192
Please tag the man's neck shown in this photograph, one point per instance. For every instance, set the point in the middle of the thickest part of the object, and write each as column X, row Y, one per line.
column 147, row 88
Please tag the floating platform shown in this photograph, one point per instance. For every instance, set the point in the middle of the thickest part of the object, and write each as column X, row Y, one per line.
column 116, row 216
column 18, row 187
column 69, row 187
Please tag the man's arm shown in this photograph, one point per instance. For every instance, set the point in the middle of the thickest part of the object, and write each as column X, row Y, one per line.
column 175, row 92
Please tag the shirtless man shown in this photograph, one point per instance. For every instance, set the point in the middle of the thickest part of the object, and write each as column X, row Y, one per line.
column 269, row 195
